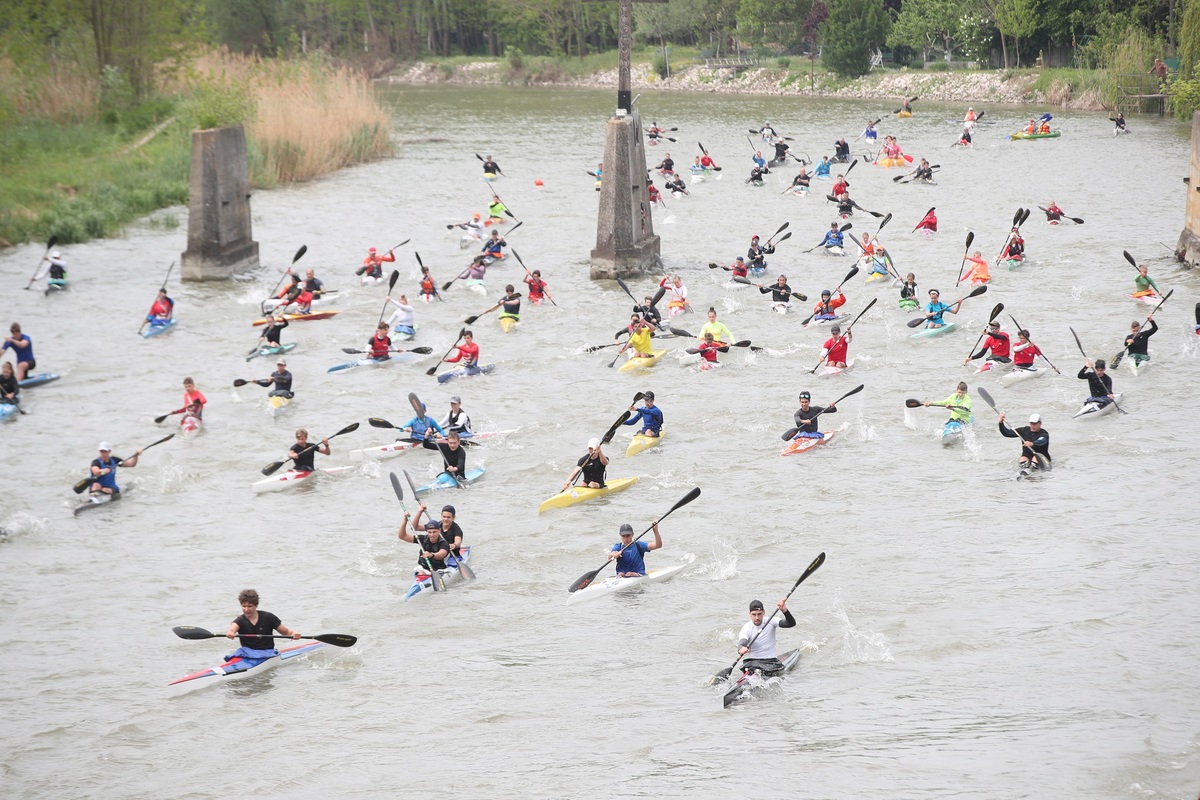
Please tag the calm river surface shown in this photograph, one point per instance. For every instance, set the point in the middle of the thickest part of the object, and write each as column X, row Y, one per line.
column 969, row 633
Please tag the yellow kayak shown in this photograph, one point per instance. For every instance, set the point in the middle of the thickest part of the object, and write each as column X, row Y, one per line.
column 643, row 363
column 509, row 324
column 903, row 114
column 641, row 442
column 578, row 494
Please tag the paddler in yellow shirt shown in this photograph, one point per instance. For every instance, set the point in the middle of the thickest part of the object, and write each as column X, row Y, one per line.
column 639, row 340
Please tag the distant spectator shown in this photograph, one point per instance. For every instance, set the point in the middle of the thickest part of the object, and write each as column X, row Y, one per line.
column 1160, row 71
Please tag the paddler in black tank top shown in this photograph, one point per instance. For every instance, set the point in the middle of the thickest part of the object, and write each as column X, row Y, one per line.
column 303, row 453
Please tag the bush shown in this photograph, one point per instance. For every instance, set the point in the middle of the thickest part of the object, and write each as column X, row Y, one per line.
column 939, row 66
column 917, row 63
column 853, row 30
column 447, row 70
column 215, row 105
column 516, row 59
column 659, row 66
column 783, row 63
column 1184, row 97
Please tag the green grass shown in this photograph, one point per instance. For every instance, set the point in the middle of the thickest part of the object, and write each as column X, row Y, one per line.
column 68, row 181
column 1078, row 79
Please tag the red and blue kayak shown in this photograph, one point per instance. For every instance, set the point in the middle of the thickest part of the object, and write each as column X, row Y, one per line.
column 237, row 668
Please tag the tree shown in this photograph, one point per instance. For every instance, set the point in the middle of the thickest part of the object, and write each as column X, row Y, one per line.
column 854, row 29
column 924, row 24
column 778, row 21
column 1015, row 18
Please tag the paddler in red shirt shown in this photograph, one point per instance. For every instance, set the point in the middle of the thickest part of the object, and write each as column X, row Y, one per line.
column 997, row 342
column 380, row 344
column 373, row 263
column 468, row 351
column 191, row 395
column 162, row 308
column 928, row 222
column 834, row 350
column 740, row 270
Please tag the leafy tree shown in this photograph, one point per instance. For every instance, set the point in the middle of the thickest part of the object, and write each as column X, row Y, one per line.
column 854, row 29
column 778, row 21
column 925, row 24
column 1016, row 18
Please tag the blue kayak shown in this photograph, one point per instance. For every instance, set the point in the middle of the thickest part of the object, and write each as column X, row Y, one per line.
column 367, row 362
column 7, row 410
column 445, row 481
column 952, row 432
column 925, row 333
column 38, row 380
column 158, row 326
column 272, row 350
column 450, row 575
column 465, row 372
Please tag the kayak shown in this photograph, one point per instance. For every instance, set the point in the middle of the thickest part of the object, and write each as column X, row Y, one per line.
column 292, row 478
column 925, row 333
column 1018, row 374
column 1148, row 299
column 277, row 404
column 750, row 681
column 877, row 276
column 367, row 280
column 614, row 584
column 676, row 307
column 489, row 176
column 781, row 308
column 476, row 285
column 1013, row 263
column 1138, row 367
column 732, row 284
column 190, row 425
column 400, row 446
column 95, row 501
column 301, row 317
column 952, row 433
column 899, row 161
column 465, row 372
column 835, row 250
column 903, row 114
column 642, row 442
column 158, row 327
column 824, row 321
column 509, row 324
column 926, row 231
column 579, row 494
column 56, row 285
column 10, row 410
column 827, row 371
column 445, row 480
column 799, row 191
column 1024, row 135
column 908, row 305
column 804, row 444
column 405, row 333
column 325, row 299
column 38, row 379
column 422, row 580
column 238, row 668
column 1097, row 410
column 467, row 241
column 376, row 362
column 273, row 350
column 642, row 363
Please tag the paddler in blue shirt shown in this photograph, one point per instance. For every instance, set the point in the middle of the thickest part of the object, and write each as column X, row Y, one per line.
column 629, row 554
column 936, row 308
column 833, row 237
column 822, row 169
column 104, row 470
column 422, row 427
column 650, row 414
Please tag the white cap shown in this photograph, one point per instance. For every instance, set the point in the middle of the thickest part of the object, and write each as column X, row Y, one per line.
column 593, row 443
column 1035, row 417
column 56, row 254
column 105, row 446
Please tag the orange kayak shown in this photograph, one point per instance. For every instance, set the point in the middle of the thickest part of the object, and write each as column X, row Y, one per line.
column 300, row 317
column 803, row 445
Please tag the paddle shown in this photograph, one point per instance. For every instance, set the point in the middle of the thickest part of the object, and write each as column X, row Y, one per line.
column 421, row 264
column 765, row 289
column 273, row 467
column 593, row 348
column 263, row 382
column 724, row 674
column 844, row 334
column 1015, row 224
column 996, row 309
column 435, row 577
column 1076, row 220
column 966, row 252
column 658, row 296
column 53, row 240
column 910, row 177
column 853, row 271
column 424, row 351
column 885, row 221
column 433, row 370
column 725, row 348
column 164, row 286
column 585, row 580
column 508, row 299
column 790, row 433
column 1085, row 355
column 715, row 168
column 467, row 572
column 926, row 214
column 782, row 228
column 911, row 403
column 530, row 274
column 978, row 290
column 1043, row 355
column 391, row 285
column 1132, row 261
column 193, row 633
column 299, row 254
column 83, row 484
column 497, row 196
column 611, row 432
column 1116, row 360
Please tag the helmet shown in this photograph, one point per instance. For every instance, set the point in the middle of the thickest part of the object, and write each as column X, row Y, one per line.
column 826, row 293
column 370, row 249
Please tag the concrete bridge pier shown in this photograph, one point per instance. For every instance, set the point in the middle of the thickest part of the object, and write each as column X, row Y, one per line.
column 219, row 237
column 626, row 244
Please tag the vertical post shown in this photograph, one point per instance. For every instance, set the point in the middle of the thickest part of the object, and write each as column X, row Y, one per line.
column 624, row 43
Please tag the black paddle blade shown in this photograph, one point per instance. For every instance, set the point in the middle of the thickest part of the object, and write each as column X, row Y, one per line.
column 1132, row 261
column 417, row 406
column 424, row 351
column 392, row 280
column 379, row 422
column 970, row 238
column 687, row 498
column 300, row 253
column 351, row 428
column 915, row 322
column 789, row 434
column 1077, row 342
column 977, row 291
column 240, row 382
column 720, row 677
column 911, row 403
column 335, row 639
column 192, row 632
column 613, row 430
column 158, row 420
column 272, row 468
column 583, row 581
column 82, row 485
column 996, row 309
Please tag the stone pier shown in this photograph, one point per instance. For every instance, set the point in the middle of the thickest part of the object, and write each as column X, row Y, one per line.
column 1187, row 249
column 626, row 244
column 219, row 237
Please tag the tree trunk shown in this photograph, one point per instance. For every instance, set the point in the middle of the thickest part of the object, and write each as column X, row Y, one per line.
column 1004, row 51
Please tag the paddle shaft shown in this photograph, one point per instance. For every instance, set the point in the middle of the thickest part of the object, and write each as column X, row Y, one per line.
column 53, row 240
column 435, row 577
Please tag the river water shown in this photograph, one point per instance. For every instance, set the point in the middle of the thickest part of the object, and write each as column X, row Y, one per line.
column 969, row 632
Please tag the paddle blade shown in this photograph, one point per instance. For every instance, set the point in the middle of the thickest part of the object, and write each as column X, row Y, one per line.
column 351, row 428
column 687, row 498
column 272, row 468
column 613, row 430
column 424, row 351
column 1132, row 261
column 335, row 639
column 1077, row 342
column 987, row 398
column 853, row 391
column 240, row 382
column 396, row 487
column 914, row 323
column 392, row 280
column 977, row 291
column 192, row 632
column 471, row 319
column 911, row 403
column 681, row 332
column 996, row 309
column 82, row 485
column 159, row 420
column 789, row 434
column 300, row 253
column 446, row 286
column 720, row 677
column 583, row 581
column 379, row 422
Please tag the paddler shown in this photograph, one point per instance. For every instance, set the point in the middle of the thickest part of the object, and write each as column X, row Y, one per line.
column 676, row 186
column 456, row 420
column 510, row 304
column 104, row 470
column 379, row 346
column 404, row 318
column 450, row 530
column 256, row 628
column 650, row 311
column 428, row 286
column 841, row 150
column 936, row 308
column 497, row 209
column 872, row 256
column 274, row 327
column 697, row 167
column 833, row 237
column 1100, row 385
column 869, row 133
column 835, row 347
column 191, row 395
column 905, row 105
column 959, row 404
column 313, row 284
column 756, row 640
column 1144, row 285
column 996, row 341
column 1053, row 212
column 826, row 307
column 924, row 171
column 780, row 291
column 1031, row 127
column 537, row 287
column 491, row 167
column 477, row 269
column 495, row 245
column 667, row 165
column 845, row 205
column 373, row 264
column 1025, row 351
column 840, row 185
column 970, row 116
column 162, row 308
column 678, row 294
column 758, row 160
column 757, row 253
column 592, row 467
column 806, row 417
column 979, row 273
column 928, row 222
column 434, row 548
column 908, row 292
column 720, row 333
column 281, row 381
column 467, row 353
column 652, row 191
column 1015, row 249
column 1044, row 128
column 781, row 151
column 756, row 175
column 1035, row 441
column 10, row 389
column 802, row 179
column 422, row 427
column 22, row 347
column 629, row 554
column 822, row 169
column 1119, row 119
column 474, row 226
column 653, row 132
column 55, row 265
column 303, row 454
column 1138, row 340
column 766, row 131
column 650, row 415
column 964, row 139
column 454, row 455
column 639, row 340
column 739, row 267
column 709, row 347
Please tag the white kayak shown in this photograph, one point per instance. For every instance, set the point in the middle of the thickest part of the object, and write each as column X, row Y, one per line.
column 238, row 668
column 1018, row 374
column 781, row 308
column 1137, row 367
column 95, row 501
column 1096, row 410
column 835, row 251
column 827, row 371
column 293, row 478
column 614, row 584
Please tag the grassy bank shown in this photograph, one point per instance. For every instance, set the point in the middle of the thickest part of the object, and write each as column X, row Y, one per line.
column 82, row 178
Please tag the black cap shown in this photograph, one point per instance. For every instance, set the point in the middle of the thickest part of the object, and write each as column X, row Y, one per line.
column 648, row 395
column 756, row 605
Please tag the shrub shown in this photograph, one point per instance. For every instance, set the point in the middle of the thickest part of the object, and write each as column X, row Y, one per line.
column 1184, row 97
column 939, row 66
column 783, row 63
column 659, row 66
column 917, row 63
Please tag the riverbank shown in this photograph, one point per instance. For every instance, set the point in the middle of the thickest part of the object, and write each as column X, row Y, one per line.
column 1062, row 88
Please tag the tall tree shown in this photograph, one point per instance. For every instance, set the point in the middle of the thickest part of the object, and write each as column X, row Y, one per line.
column 926, row 24
column 854, row 29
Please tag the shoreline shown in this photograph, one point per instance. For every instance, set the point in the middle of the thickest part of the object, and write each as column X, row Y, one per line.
column 967, row 86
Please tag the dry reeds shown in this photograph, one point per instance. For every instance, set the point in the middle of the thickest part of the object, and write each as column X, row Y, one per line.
column 68, row 92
